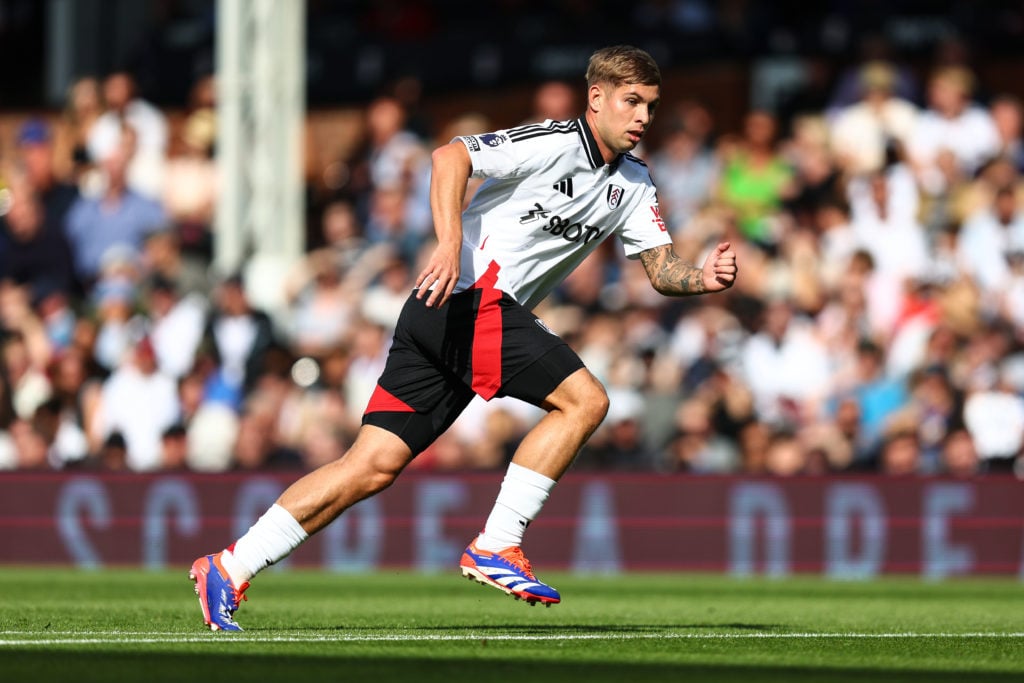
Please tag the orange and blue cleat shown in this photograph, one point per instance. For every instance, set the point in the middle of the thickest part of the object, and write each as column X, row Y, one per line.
column 509, row 571
column 217, row 594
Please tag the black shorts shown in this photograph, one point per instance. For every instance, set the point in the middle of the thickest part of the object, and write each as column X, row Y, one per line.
column 480, row 342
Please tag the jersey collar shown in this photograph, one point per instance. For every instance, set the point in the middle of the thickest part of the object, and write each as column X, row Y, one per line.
column 590, row 146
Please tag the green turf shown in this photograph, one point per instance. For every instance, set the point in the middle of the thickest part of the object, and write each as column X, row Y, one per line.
column 121, row 625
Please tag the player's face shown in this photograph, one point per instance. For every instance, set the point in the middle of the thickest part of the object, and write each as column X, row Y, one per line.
column 622, row 115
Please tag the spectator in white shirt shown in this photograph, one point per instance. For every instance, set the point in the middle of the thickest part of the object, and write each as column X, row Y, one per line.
column 686, row 172
column 369, row 353
column 238, row 335
column 786, row 367
column 384, row 299
column 1011, row 303
column 322, row 309
column 1008, row 117
column 837, row 241
column 988, row 237
column 177, row 326
column 896, row 242
column 903, row 198
column 952, row 123
column 862, row 131
column 396, row 153
column 994, row 416
column 125, row 110
column 138, row 383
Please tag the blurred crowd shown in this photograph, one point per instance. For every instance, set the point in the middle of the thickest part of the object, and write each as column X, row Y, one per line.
column 877, row 324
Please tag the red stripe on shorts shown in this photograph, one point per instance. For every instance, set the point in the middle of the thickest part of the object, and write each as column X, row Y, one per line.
column 487, row 336
column 383, row 400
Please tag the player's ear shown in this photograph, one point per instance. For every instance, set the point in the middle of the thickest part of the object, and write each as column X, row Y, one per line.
column 595, row 97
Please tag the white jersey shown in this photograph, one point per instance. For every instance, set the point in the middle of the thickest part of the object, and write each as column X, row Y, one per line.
column 548, row 201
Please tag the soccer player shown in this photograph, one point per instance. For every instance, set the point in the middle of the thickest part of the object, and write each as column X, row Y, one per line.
column 553, row 192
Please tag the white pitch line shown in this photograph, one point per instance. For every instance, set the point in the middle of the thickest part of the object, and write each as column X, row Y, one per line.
column 129, row 638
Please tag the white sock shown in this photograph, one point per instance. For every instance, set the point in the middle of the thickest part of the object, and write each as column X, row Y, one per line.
column 272, row 538
column 522, row 495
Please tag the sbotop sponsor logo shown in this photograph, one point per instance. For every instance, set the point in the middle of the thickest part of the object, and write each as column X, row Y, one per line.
column 572, row 232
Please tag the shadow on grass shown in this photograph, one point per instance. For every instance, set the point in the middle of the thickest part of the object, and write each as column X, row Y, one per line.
column 535, row 629
column 41, row 666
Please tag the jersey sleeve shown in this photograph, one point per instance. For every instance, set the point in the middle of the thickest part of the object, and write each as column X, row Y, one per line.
column 496, row 155
column 644, row 228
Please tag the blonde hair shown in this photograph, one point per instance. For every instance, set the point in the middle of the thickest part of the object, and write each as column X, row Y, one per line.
column 958, row 77
column 622, row 64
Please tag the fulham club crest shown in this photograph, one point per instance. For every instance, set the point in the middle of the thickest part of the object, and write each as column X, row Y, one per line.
column 615, row 196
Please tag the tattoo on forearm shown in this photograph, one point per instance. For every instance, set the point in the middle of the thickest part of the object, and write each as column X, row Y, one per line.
column 669, row 274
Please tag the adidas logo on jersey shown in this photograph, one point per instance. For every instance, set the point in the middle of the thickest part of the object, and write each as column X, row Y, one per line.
column 564, row 186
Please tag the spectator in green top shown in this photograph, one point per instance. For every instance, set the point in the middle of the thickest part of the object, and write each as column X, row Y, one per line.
column 755, row 179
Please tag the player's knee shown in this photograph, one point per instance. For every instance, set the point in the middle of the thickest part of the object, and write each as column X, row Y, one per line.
column 598, row 405
column 590, row 403
column 381, row 472
column 378, row 481
column 371, row 469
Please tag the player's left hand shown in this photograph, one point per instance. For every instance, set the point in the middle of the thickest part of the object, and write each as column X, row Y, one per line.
column 720, row 269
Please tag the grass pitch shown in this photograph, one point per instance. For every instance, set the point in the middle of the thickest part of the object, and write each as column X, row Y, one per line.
column 121, row 625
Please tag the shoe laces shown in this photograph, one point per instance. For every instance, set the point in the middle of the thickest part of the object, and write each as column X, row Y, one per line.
column 239, row 594
column 514, row 555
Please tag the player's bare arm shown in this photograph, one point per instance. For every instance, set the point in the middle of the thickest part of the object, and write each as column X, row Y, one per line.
column 671, row 276
column 450, row 171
